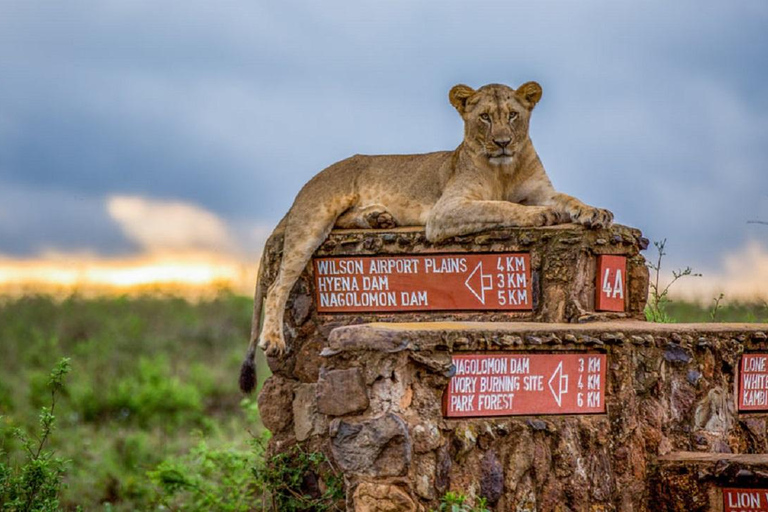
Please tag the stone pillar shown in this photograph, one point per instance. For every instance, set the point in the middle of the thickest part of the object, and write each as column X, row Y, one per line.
column 369, row 389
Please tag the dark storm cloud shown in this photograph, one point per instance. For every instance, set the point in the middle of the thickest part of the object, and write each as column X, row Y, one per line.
column 38, row 221
column 657, row 111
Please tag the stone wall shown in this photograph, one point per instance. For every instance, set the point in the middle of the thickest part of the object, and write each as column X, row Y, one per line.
column 368, row 389
column 376, row 408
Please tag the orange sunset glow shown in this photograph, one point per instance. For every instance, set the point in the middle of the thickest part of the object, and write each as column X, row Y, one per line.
column 180, row 247
column 179, row 272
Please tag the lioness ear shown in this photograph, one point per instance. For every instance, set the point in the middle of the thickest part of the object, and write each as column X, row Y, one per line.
column 530, row 93
column 458, row 96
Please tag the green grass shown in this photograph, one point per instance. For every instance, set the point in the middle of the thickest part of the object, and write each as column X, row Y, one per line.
column 726, row 312
column 152, row 377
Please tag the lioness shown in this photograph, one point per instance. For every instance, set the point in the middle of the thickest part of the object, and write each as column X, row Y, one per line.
column 493, row 179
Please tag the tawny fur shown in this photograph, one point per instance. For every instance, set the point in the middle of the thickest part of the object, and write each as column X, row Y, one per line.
column 493, row 179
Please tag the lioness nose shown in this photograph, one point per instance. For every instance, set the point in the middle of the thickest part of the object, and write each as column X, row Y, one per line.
column 502, row 143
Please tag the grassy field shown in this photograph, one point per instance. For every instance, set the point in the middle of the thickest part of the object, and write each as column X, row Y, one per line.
column 152, row 378
column 727, row 312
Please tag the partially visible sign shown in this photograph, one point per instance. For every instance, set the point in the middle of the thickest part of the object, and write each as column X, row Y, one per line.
column 437, row 282
column 521, row 384
column 753, row 382
column 611, row 283
column 745, row 500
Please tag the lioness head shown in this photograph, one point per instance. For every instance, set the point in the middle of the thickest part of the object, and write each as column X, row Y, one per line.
column 495, row 118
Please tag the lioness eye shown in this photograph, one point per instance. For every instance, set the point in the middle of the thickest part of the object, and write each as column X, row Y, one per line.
column 485, row 117
column 512, row 116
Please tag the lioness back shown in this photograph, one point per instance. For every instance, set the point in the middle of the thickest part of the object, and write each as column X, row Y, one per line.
column 407, row 186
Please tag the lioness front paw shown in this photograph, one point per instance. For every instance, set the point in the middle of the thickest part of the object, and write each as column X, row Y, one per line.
column 592, row 217
column 546, row 216
column 380, row 220
column 271, row 341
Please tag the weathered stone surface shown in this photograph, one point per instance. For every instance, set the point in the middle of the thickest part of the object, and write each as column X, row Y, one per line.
column 492, row 478
column 301, row 308
column 306, row 420
column 443, row 466
column 276, row 393
column 308, row 360
column 426, row 437
column 376, row 447
column 663, row 395
column 423, row 476
column 372, row 497
column 692, row 481
column 341, row 392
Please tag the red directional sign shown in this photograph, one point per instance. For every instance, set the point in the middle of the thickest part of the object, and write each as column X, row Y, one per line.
column 753, row 382
column 436, row 282
column 611, row 286
column 522, row 384
column 745, row 500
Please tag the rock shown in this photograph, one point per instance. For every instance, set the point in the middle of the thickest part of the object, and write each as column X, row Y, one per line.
column 714, row 413
column 309, row 360
column 306, row 420
column 424, row 476
column 275, row 394
column 341, row 392
column 372, row 497
column 492, row 478
column 376, row 447
column 301, row 308
column 426, row 437
column 464, row 439
column 537, row 424
column 443, row 470
column 677, row 354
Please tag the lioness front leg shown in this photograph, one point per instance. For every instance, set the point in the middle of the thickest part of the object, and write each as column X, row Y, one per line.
column 580, row 213
column 303, row 235
column 462, row 217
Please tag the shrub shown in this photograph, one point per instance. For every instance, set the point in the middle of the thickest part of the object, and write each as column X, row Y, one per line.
column 658, row 300
column 31, row 480
column 455, row 502
column 209, row 479
column 297, row 480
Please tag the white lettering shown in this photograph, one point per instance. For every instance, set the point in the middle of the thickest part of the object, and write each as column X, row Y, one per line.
column 618, row 286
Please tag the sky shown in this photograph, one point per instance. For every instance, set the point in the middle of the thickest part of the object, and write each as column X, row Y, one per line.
column 157, row 134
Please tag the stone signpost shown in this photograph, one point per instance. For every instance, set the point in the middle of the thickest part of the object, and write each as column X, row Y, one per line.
column 513, row 365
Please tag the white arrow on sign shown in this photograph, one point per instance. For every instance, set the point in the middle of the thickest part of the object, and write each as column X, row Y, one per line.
column 560, row 381
column 483, row 278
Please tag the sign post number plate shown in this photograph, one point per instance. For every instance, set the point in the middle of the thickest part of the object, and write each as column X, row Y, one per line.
column 611, row 285
column 753, row 382
column 438, row 282
column 524, row 384
column 743, row 500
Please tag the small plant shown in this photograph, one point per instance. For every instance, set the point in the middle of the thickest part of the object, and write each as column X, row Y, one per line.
column 656, row 309
column 716, row 307
column 31, row 480
column 209, row 479
column 455, row 502
column 298, row 480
